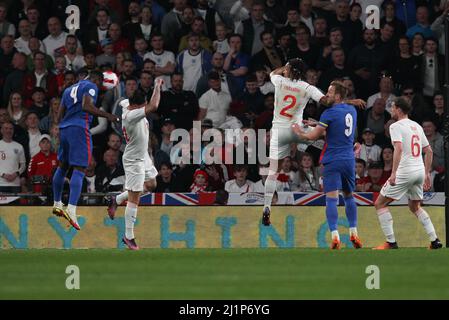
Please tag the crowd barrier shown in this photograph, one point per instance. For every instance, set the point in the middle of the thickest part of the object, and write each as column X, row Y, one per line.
column 25, row 227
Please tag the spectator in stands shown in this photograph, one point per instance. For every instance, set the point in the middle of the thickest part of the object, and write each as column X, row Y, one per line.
column 13, row 81
column 367, row 62
column 386, row 42
column 376, row 117
column 263, row 81
column 221, row 44
column 265, row 119
column 252, row 99
column 108, row 55
column 375, row 180
column 293, row 21
column 309, row 177
column 436, row 142
column 268, row 58
column 259, row 186
column 59, row 72
column 74, row 61
column 7, row 52
column 200, row 181
column 338, row 69
column 197, row 28
column 275, row 12
column 387, row 161
column 52, row 117
column 119, row 42
column 141, row 49
column 166, row 180
column 6, row 27
column 360, row 174
column 420, row 108
column 356, row 15
column 134, row 14
column 438, row 116
column 240, row 184
column 39, row 106
column 335, row 42
column 55, row 41
column 114, row 16
column 12, row 160
column 438, row 26
column 39, row 77
column 54, row 134
column 98, row 31
column 215, row 103
column 433, row 68
column 38, row 28
column 288, row 178
column 306, row 15
column 171, row 23
column 303, row 48
column 369, row 152
column 109, row 176
column 167, row 128
column 193, row 62
column 405, row 67
column 165, row 60
column 16, row 109
column 42, row 166
column 422, row 23
column 178, row 104
column 89, row 178
column 320, row 38
column 251, row 29
column 21, row 43
column 342, row 20
column 236, row 62
column 146, row 84
column 128, row 71
column 34, row 134
column 418, row 45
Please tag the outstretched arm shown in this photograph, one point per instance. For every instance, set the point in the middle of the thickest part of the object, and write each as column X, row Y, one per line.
column 313, row 135
column 155, row 98
column 89, row 107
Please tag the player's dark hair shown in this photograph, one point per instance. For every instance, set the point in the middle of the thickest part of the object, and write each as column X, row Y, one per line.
column 96, row 74
column 138, row 98
column 340, row 88
column 298, row 68
column 402, row 104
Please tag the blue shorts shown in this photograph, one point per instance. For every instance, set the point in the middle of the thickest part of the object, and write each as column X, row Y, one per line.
column 339, row 175
column 75, row 146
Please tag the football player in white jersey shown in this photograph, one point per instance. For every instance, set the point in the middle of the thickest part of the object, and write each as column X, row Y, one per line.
column 291, row 97
column 409, row 175
column 139, row 168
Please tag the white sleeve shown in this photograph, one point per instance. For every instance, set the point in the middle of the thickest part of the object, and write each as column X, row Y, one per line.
column 22, row 160
column 395, row 134
column 203, row 103
column 135, row 115
column 424, row 141
column 314, row 93
column 275, row 79
column 171, row 57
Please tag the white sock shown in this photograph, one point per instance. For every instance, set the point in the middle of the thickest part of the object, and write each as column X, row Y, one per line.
column 334, row 234
column 130, row 219
column 58, row 204
column 121, row 197
column 386, row 223
column 270, row 188
column 424, row 218
column 353, row 231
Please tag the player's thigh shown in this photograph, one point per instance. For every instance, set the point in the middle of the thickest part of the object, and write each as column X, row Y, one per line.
column 134, row 176
column 348, row 176
column 396, row 191
column 80, row 146
column 64, row 147
column 280, row 141
column 415, row 190
column 331, row 177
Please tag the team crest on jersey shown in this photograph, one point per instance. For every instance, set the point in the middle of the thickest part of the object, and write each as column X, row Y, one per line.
column 92, row 92
column 16, row 151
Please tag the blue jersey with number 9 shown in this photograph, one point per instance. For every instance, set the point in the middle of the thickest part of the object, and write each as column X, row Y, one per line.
column 340, row 122
column 72, row 100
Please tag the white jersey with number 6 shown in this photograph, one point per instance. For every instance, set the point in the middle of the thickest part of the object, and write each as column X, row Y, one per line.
column 413, row 140
column 290, row 100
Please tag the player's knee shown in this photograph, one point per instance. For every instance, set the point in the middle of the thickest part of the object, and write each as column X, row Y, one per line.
column 378, row 204
column 414, row 206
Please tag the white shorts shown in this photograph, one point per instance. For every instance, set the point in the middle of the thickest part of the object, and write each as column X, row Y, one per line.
column 137, row 172
column 410, row 183
column 280, row 141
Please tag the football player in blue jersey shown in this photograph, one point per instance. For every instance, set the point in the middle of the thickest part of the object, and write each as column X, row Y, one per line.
column 77, row 110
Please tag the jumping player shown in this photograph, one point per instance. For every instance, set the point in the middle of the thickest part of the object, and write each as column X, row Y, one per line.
column 139, row 169
column 338, row 124
column 409, row 175
column 291, row 97
column 77, row 108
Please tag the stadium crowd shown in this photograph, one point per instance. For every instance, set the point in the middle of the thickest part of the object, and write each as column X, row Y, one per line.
column 215, row 58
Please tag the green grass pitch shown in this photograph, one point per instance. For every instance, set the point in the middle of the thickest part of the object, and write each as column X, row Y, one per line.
column 224, row 274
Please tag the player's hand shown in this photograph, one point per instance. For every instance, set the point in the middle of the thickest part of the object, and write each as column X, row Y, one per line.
column 159, row 82
column 427, row 182
column 357, row 148
column 310, row 122
column 113, row 118
column 297, row 129
column 392, row 179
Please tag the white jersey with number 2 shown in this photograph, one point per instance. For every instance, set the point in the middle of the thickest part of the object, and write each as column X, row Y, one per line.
column 413, row 140
column 290, row 100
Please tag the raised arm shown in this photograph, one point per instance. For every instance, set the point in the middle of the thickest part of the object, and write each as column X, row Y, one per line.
column 155, row 98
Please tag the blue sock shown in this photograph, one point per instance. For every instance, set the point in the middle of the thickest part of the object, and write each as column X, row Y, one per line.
column 76, row 184
column 332, row 213
column 351, row 211
column 58, row 183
